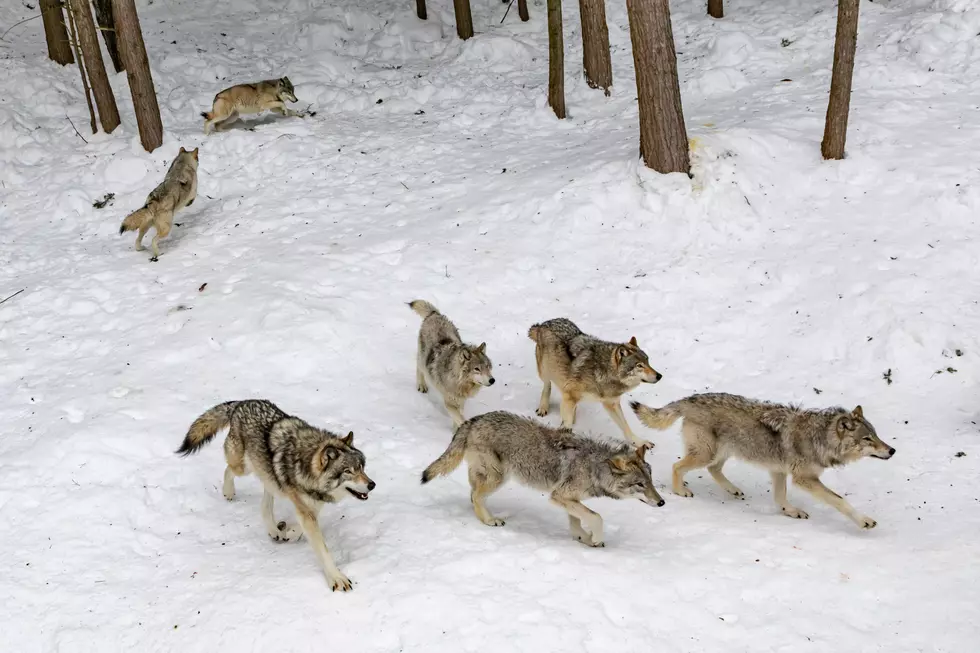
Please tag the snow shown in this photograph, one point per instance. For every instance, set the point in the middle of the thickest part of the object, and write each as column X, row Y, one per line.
column 772, row 274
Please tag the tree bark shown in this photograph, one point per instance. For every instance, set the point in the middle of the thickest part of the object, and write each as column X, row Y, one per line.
column 420, row 9
column 133, row 53
column 464, row 19
column 103, row 16
column 88, row 43
column 663, row 138
column 556, row 59
column 81, row 70
column 716, row 8
column 595, row 44
column 845, row 43
column 522, row 10
column 59, row 49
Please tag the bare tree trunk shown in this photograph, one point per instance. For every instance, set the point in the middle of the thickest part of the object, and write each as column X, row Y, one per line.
column 663, row 138
column 88, row 42
column 835, row 128
column 420, row 9
column 716, row 8
column 133, row 53
column 81, row 70
column 556, row 59
column 522, row 10
column 59, row 49
column 464, row 19
column 103, row 16
column 595, row 44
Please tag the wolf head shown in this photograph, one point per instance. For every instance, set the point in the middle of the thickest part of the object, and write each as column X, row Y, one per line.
column 633, row 365
column 476, row 366
column 858, row 438
column 286, row 91
column 338, row 468
column 629, row 478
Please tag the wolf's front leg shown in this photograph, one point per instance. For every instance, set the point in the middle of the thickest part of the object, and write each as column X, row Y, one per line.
column 278, row 531
column 615, row 411
column 575, row 526
column 590, row 520
column 311, row 527
column 820, row 491
column 455, row 409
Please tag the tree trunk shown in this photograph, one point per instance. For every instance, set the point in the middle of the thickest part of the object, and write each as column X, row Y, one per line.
column 464, row 19
column 595, row 44
column 522, row 10
column 663, row 138
column 835, row 128
column 556, row 59
column 103, row 16
column 81, row 70
column 88, row 43
column 716, row 8
column 59, row 49
column 420, row 9
column 138, row 71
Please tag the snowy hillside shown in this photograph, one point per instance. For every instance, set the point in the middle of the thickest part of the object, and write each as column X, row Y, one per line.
column 434, row 170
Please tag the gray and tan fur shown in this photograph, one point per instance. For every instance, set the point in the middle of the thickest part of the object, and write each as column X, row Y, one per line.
column 584, row 367
column 569, row 467
column 457, row 370
column 786, row 440
column 304, row 464
column 177, row 190
column 244, row 99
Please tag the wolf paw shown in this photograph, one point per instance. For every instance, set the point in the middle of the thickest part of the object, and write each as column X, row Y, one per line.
column 735, row 492
column 587, row 540
column 286, row 532
column 340, row 582
column 866, row 523
column 494, row 521
column 795, row 513
column 229, row 495
column 139, row 247
column 422, row 388
column 683, row 492
column 153, row 259
column 541, row 412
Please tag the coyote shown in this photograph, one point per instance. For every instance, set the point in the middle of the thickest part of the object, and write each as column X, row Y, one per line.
column 568, row 466
column 178, row 190
column 243, row 99
column 307, row 465
column 786, row 440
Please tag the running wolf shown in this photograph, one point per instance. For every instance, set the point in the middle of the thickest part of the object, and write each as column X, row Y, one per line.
column 178, row 190
column 568, row 466
column 585, row 367
column 457, row 370
column 786, row 440
column 243, row 99
column 307, row 465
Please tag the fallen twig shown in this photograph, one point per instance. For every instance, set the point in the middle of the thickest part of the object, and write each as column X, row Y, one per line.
column 21, row 22
column 509, row 5
column 76, row 130
column 14, row 295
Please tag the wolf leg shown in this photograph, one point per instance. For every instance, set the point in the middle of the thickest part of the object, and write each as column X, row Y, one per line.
column 575, row 526
column 484, row 481
column 286, row 111
column 543, row 405
column 311, row 527
column 455, row 409
column 278, row 531
column 139, row 237
column 225, row 123
column 715, row 470
column 235, row 457
column 779, row 494
column 568, row 404
column 820, row 491
column 615, row 411
column 420, row 383
column 589, row 519
column 162, row 231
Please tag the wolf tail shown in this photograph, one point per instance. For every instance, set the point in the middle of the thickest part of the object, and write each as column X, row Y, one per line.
column 134, row 220
column 657, row 418
column 206, row 427
column 206, row 115
column 450, row 458
column 423, row 308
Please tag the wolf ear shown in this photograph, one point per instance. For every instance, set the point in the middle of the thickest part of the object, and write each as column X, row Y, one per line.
column 621, row 353
column 619, row 464
column 858, row 412
column 349, row 440
column 194, row 153
column 482, row 348
column 641, row 452
column 845, row 423
column 285, row 80
column 327, row 455
column 466, row 354
column 182, row 150
column 633, row 341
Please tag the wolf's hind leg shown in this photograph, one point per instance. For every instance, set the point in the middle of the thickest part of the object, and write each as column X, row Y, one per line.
column 484, row 481
column 235, row 457
column 715, row 470
column 544, row 404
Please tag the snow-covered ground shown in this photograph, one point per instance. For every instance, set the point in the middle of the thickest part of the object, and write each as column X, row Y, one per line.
column 433, row 169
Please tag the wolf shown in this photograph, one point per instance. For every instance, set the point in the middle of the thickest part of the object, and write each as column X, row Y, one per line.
column 568, row 466
column 268, row 95
column 457, row 370
column 786, row 440
column 585, row 367
column 307, row 465
column 178, row 190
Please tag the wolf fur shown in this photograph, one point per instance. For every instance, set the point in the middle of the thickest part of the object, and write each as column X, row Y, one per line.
column 455, row 369
column 585, row 367
column 786, row 440
column 307, row 465
column 243, row 99
column 568, row 466
column 178, row 190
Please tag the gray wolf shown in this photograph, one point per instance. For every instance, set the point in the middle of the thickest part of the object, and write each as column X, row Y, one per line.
column 307, row 465
column 243, row 99
column 568, row 466
column 178, row 190
column 457, row 370
column 786, row 440
column 585, row 367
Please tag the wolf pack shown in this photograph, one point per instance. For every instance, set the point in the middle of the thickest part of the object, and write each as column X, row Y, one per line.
column 310, row 466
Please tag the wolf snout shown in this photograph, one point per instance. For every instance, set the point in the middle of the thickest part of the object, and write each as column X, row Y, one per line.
column 660, row 504
column 658, row 377
column 491, row 381
column 371, row 486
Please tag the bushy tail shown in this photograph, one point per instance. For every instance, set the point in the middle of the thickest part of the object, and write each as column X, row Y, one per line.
column 656, row 418
column 134, row 220
column 450, row 458
column 423, row 308
column 206, row 427
column 206, row 115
